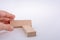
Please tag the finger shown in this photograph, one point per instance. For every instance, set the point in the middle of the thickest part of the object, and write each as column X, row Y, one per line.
column 9, row 27
column 6, row 22
column 1, row 27
column 4, row 19
column 6, row 27
column 2, row 13
column 11, row 16
column 6, row 14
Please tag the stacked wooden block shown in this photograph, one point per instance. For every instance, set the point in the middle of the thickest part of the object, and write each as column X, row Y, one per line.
column 26, row 25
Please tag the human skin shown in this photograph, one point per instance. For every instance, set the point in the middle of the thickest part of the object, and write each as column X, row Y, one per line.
column 5, row 18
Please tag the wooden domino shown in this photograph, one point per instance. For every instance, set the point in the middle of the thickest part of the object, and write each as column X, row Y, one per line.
column 20, row 23
column 29, row 30
column 26, row 25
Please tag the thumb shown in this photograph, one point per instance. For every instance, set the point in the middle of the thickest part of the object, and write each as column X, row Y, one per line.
column 6, row 27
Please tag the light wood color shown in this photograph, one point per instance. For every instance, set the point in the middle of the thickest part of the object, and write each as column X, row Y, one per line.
column 26, row 25
column 20, row 23
column 29, row 30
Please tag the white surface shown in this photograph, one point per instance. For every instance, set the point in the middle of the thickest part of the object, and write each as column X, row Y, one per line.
column 45, row 16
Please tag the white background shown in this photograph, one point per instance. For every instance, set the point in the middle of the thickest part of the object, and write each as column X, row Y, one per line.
column 45, row 16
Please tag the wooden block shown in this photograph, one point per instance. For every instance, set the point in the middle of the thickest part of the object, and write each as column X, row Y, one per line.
column 20, row 23
column 26, row 25
column 30, row 32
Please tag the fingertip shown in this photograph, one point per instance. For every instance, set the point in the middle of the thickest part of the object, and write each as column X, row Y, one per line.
column 12, row 16
column 9, row 27
column 9, row 15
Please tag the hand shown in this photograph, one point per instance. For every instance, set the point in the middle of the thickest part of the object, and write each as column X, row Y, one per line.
column 5, row 19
